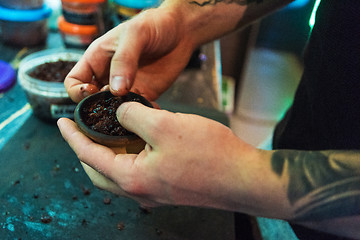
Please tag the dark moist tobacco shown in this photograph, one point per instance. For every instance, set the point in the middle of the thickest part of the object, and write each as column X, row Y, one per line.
column 100, row 116
column 52, row 71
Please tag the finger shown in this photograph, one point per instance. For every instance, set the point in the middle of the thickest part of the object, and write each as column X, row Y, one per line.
column 103, row 182
column 105, row 88
column 142, row 120
column 155, row 105
column 124, row 63
column 99, row 180
column 98, row 161
column 99, row 157
column 77, row 82
column 92, row 69
column 79, row 91
column 101, row 164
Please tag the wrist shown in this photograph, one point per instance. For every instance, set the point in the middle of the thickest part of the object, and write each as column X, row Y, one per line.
column 179, row 11
column 204, row 23
column 259, row 191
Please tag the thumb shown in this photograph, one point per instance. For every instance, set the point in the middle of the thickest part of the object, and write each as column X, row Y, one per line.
column 124, row 63
column 142, row 120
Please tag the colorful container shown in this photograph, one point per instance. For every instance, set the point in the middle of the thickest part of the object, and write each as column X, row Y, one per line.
column 75, row 35
column 126, row 9
column 85, row 12
column 24, row 27
column 7, row 76
column 22, row 4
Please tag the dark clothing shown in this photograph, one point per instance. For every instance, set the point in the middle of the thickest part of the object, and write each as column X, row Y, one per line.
column 326, row 110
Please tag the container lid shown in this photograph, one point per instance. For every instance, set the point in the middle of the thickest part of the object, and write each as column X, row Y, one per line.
column 71, row 28
column 7, row 76
column 32, row 15
column 84, row 1
column 138, row 4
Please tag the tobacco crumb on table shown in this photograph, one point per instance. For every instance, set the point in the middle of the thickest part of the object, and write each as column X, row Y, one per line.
column 158, row 231
column 120, row 226
column 86, row 191
column 36, row 176
column 145, row 210
column 27, row 146
column 16, row 182
column 107, row 201
column 56, row 168
column 46, row 218
column 84, row 222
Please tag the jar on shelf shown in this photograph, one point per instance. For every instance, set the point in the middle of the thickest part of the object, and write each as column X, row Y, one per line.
column 24, row 28
column 126, row 9
column 86, row 12
column 22, row 4
column 76, row 35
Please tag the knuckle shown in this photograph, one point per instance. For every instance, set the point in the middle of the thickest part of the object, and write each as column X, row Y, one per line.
column 124, row 57
column 160, row 124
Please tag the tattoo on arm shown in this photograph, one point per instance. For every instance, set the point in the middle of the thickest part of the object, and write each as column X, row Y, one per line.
column 214, row 2
column 322, row 184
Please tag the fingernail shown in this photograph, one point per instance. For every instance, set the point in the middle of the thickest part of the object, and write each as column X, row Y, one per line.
column 105, row 88
column 84, row 91
column 118, row 83
column 85, row 94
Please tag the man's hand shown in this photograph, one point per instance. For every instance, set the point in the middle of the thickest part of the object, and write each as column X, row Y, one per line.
column 144, row 55
column 188, row 159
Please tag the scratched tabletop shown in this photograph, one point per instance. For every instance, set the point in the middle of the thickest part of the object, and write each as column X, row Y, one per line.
column 45, row 194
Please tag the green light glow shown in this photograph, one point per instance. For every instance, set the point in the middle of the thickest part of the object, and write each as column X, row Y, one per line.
column 313, row 14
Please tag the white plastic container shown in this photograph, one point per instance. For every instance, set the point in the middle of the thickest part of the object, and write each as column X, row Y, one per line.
column 49, row 100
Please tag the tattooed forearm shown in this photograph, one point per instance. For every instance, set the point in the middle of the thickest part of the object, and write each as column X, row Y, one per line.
column 322, row 185
column 214, row 2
